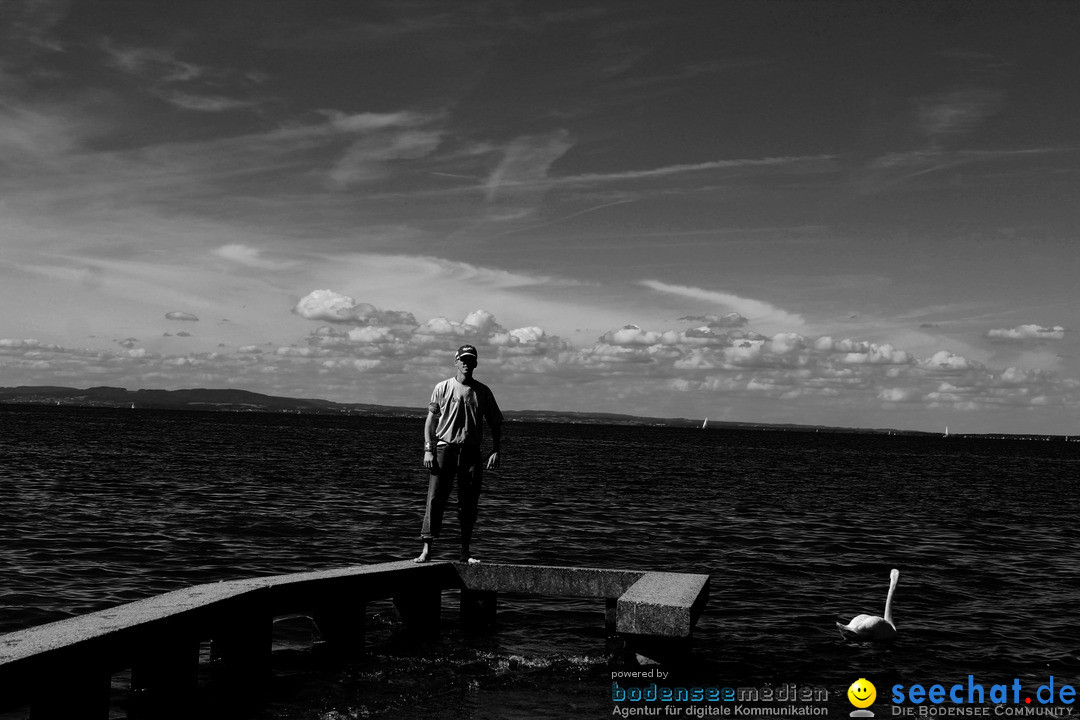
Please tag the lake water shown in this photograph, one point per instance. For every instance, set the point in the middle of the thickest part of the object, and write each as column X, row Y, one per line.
column 798, row 530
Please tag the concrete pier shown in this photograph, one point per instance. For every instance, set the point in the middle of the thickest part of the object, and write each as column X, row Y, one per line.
column 63, row 669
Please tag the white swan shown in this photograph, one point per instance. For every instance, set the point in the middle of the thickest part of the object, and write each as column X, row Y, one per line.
column 874, row 627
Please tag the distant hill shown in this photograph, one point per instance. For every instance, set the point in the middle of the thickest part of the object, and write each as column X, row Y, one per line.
column 245, row 401
column 191, row 399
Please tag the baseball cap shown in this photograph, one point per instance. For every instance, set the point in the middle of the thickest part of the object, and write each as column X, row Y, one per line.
column 465, row 351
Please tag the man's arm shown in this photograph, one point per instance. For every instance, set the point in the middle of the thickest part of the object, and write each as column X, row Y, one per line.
column 430, row 441
column 495, row 423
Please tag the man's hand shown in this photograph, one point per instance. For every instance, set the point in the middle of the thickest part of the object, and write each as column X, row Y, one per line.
column 429, row 459
column 493, row 461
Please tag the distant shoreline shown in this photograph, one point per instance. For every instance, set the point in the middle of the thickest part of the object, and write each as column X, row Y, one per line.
column 216, row 400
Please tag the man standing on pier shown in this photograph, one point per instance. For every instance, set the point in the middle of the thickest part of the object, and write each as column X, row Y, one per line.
column 452, row 434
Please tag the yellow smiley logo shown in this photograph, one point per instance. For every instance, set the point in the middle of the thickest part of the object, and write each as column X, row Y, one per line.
column 862, row 693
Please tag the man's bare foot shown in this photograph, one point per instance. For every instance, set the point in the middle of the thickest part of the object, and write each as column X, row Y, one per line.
column 425, row 554
column 472, row 561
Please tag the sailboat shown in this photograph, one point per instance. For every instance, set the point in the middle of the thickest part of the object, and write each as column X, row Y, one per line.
column 946, row 431
column 705, row 425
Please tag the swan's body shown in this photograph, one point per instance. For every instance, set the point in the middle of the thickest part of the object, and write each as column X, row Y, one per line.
column 874, row 627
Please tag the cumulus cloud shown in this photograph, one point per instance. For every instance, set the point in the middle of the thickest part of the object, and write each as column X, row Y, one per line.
column 481, row 320
column 19, row 344
column 1027, row 332
column 364, row 353
column 528, row 335
column 630, row 335
column 1017, row 376
column 898, row 395
column 331, row 306
column 371, row 334
column 878, row 355
column 177, row 315
column 947, row 361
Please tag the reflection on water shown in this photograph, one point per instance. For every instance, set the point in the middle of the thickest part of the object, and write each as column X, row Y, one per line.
column 798, row 530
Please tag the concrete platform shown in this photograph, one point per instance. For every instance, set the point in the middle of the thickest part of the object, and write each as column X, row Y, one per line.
column 63, row 669
column 658, row 604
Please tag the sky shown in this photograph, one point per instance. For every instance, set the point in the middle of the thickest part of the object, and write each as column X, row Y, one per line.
column 858, row 214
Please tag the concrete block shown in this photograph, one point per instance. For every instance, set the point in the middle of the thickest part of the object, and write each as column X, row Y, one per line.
column 662, row 604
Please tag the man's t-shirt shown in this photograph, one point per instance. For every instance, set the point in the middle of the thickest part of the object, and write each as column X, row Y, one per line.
column 462, row 410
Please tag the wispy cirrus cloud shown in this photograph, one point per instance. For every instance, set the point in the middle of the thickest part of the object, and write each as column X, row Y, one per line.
column 250, row 256
column 367, row 158
column 31, row 22
column 525, row 164
column 182, row 83
column 756, row 311
column 47, row 143
column 821, row 162
column 957, row 112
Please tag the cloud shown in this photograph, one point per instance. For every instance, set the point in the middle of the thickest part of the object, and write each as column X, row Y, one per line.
column 957, row 112
column 898, row 395
column 331, row 306
column 1016, row 376
column 777, row 162
column 366, row 122
column 755, row 311
column 204, row 103
column 368, row 353
column 1027, row 332
column 630, row 335
column 525, row 164
column 176, row 315
column 23, row 344
column 367, row 158
column 183, row 84
column 32, row 22
column 873, row 354
column 249, row 256
column 730, row 320
column 943, row 360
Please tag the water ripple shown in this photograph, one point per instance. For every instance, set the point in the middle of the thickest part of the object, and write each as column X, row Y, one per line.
column 797, row 530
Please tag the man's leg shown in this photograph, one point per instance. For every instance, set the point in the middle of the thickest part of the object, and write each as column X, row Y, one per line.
column 440, row 481
column 469, row 478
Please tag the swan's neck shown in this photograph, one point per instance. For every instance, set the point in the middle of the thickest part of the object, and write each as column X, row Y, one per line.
column 889, row 599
